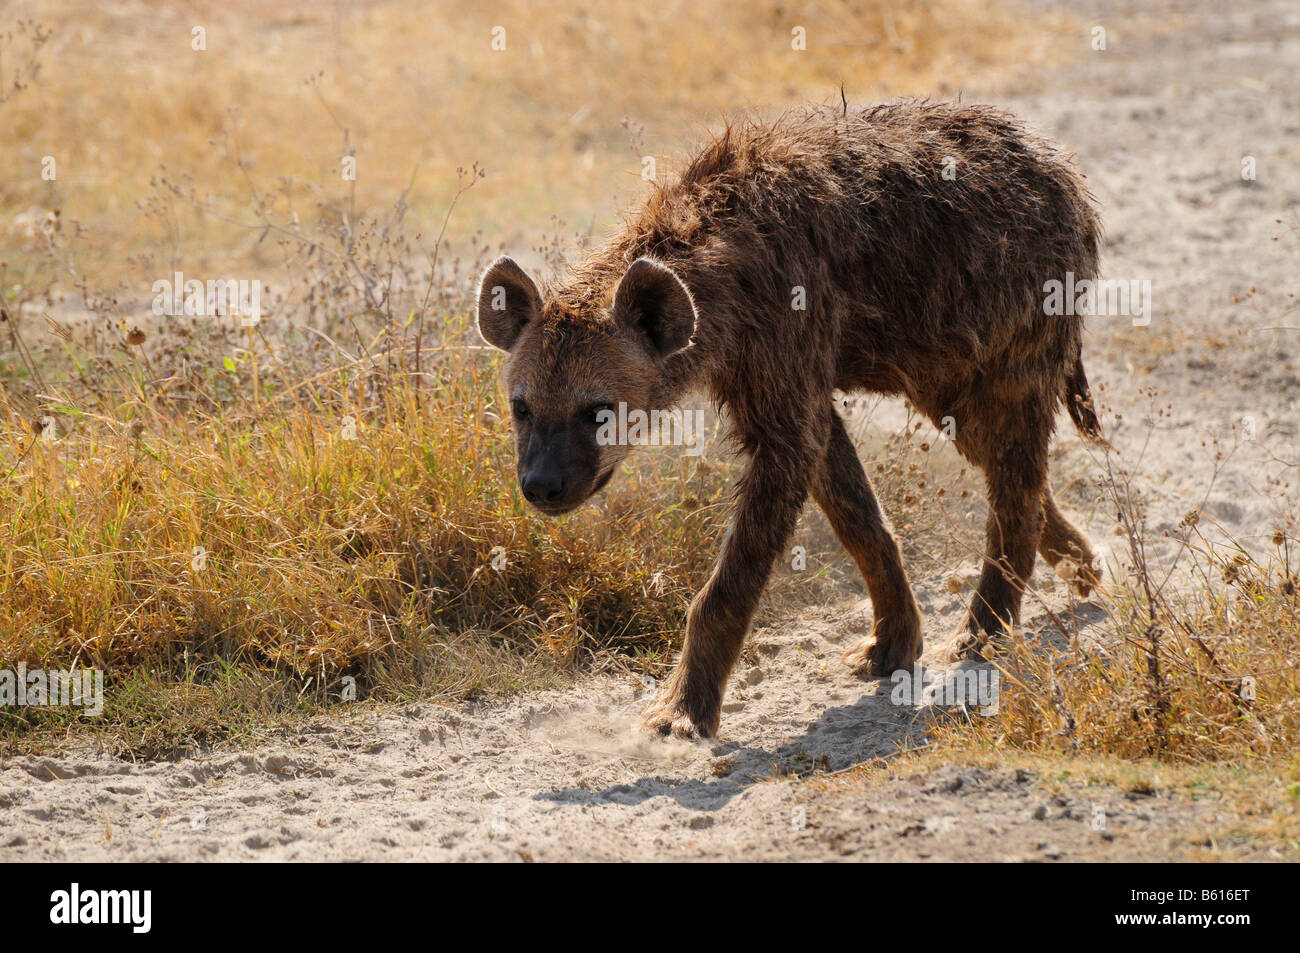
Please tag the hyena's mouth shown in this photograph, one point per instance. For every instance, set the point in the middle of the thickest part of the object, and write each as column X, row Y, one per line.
column 601, row 481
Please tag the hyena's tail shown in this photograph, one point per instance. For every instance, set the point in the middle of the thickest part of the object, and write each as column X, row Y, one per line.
column 1078, row 401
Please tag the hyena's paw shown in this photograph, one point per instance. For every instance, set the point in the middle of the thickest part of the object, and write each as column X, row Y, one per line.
column 1082, row 576
column 672, row 717
column 977, row 640
column 890, row 646
column 967, row 646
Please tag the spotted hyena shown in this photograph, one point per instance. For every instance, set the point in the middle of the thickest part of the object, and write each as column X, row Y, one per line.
column 901, row 249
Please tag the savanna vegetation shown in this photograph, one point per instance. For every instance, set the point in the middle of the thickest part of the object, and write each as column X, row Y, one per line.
column 243, row 524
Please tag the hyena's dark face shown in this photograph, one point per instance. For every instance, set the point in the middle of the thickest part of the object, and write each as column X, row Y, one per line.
column 566, row 372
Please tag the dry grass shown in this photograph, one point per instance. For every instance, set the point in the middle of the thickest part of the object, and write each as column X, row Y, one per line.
column 561, row 118
column 1199, row 663
column 271, row 543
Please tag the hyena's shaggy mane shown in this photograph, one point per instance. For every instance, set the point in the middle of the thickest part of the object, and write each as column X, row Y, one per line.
column 921, row 211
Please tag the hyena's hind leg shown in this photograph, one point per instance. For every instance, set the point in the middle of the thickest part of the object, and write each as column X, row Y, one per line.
column 1066, row 549
column 1010, row 443
column 844, row 493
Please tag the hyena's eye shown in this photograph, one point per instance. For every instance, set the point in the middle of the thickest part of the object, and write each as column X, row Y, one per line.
column 520, row 409
column 593, row 413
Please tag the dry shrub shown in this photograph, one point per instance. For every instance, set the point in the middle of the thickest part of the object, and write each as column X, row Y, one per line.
column 274, row 543
column 1199, row 662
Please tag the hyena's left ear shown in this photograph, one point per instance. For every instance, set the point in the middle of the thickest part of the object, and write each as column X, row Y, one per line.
column 653, row 300
column 507, row 300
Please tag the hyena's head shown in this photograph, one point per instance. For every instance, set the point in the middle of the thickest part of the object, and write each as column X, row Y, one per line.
column 569, row 362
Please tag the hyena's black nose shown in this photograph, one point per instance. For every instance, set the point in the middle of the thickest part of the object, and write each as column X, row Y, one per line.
column 543, row 486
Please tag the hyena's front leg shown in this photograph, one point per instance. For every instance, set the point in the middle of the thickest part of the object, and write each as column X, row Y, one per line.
column 844, row 493
column 771, row 496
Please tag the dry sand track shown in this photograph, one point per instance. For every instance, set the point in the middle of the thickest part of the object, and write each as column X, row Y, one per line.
column 561, row 776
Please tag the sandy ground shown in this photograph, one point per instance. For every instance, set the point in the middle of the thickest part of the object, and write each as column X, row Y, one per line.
column 1161, row 121
column 562, row 776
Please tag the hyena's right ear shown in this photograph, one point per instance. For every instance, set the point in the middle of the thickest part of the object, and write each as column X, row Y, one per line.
column 507, row 300
column 651, row 299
